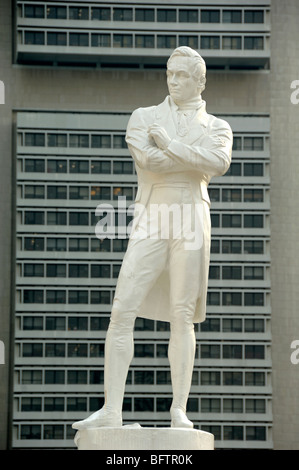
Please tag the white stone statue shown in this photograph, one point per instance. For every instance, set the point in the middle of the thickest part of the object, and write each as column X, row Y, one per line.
column 177, row 147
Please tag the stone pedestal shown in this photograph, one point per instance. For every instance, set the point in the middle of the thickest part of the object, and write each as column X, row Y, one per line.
column 134, row 437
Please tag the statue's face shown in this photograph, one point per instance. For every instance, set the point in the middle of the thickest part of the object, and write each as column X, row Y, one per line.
column 181, row 84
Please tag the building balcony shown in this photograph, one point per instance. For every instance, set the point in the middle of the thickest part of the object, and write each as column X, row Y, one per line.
column 230, row 35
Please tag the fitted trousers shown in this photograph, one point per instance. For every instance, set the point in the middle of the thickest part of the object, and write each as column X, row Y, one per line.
column 148, row 254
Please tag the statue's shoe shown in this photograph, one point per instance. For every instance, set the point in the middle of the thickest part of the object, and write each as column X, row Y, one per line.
column 179, row 419
column 101, row 418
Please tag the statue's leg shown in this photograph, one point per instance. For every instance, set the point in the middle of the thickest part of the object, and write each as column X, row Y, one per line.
column 142, row 265
column 184, row 288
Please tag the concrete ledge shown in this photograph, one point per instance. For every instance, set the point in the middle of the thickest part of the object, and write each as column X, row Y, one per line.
column 134, row 437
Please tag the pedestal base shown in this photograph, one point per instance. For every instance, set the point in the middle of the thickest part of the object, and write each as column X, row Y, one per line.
column 137, row 438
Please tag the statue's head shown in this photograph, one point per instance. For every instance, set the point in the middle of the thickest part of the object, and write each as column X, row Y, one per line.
column 186, row 74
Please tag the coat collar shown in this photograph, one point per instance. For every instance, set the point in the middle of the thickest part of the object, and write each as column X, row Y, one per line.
column 165, row 117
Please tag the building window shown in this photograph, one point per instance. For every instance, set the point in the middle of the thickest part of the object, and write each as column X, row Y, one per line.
column 232, row 351
column 231, row 272
column 33, row 270
column 100, row 192
column 78, row 39
column 31, row 431
column 255, row 433
column 78, row 270
column 166, row 15
column 56, row 270
column 101, row 141
column 232, row 378
column 123, row 168
column 122, row 40
column 256, row 379
column 78, row 244
column 57, row 166
column 253, row 195
column 56, row 297
column 55, row 323
column 254, row 325
column 254, row 16
column 34, row 165
column 231, row 246
column 254, row 351
column 56, row 244
column 79, row 192
column 34, row 11
column 79, row 140
column 34, row 244
column 80, row 13
column 231, row 195
column 231, row 42
column 254, row 42
column 144, row 40
column 53, row 431
column 210, row 42
column 210, row 351
column 210, row 405
column 35, row 37
column 31, row 377
column 210, row 16
column 231, row 220
column 254, row 299
column 253, row 273
column 254, row 247
column 79, row 218
column 101, row 14
column 56, row 192
column 34, row 192
column 79, row 166
column 34, row 218
column 190, row 41
column 232, row 16
column 78, row 297
column 54, row 376
column 166, row 42
column 210, row 378
column 233, row 405
column 55, row 12
column 32, row 323
column 101, row 40
column 253, row 221
column 57, row 140
column 56, row 39
column 122, row 14
column 55, row 350
column 188, row 16
column 98, row 167
column 231, row 298
column 144, row 14
column 254, row 143
column 34, row 139
column 32, row 350
column 233, row 433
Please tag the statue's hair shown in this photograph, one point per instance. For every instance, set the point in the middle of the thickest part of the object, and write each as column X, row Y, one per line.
column 199, row 71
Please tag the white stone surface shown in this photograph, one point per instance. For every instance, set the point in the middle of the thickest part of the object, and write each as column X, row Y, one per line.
column 137, row 438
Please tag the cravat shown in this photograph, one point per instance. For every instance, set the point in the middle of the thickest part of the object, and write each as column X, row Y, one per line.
column 184, row 118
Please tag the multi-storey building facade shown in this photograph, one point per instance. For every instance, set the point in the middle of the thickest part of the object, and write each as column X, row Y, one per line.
column 82, row 68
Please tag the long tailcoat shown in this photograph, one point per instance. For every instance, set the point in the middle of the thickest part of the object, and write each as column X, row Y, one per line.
column 204, row 152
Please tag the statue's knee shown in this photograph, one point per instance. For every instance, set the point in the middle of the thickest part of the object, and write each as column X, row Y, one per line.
column 122, row 319
column 181, row 320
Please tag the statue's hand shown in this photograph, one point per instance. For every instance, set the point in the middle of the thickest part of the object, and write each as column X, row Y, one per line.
column 160, row 136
